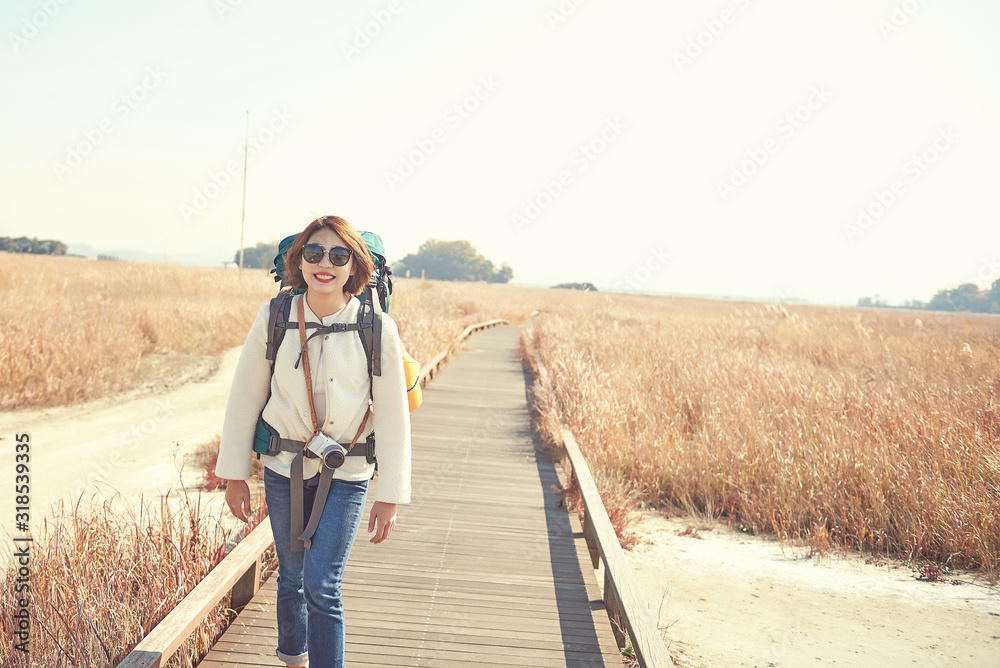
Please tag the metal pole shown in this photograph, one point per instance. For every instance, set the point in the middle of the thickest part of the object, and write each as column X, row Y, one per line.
column 243, row 219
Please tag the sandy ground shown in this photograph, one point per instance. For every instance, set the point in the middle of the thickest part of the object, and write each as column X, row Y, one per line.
column 728, row 599
column 131, row 443
column 722, row 598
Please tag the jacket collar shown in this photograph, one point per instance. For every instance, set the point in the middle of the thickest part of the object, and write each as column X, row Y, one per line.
column 346, row 314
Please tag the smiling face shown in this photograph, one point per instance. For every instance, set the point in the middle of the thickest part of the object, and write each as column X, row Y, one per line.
column 323, row 278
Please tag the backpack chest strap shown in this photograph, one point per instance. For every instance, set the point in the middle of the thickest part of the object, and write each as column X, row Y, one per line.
column 279, row 444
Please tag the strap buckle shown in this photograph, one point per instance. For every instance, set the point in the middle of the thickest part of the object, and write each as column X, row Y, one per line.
column 370, row 448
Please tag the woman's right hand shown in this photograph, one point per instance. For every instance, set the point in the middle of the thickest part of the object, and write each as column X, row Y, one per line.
column 238, row 499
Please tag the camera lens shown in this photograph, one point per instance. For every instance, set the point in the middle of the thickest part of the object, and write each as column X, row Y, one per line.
column 334, row 458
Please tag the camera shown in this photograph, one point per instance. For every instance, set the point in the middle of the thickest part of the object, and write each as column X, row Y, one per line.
column 329, row 451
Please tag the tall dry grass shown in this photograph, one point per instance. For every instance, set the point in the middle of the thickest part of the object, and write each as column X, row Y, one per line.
column 74, row 330
column 432, row 313
column 103, row 577
column 877, row 429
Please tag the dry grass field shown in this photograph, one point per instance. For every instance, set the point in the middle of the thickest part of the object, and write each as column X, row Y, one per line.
column 103, row 579
column 873, row 430
column 74, row 330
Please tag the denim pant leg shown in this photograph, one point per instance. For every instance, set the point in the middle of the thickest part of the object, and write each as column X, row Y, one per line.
column 291, row 603
column 309, row 606
column 323, row 570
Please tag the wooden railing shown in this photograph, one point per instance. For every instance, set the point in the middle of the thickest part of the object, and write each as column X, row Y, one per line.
column 239, row 571
column 622, row 597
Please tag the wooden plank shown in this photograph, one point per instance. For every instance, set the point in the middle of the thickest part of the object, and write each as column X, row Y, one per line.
column 253, row 640
column 456, row 655
column 460, row 655
column 433, row 366
column 500, row 627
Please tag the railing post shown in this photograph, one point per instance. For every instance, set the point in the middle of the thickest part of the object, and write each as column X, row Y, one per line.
column 246, row 587
column 613, row 607
column 588, row 534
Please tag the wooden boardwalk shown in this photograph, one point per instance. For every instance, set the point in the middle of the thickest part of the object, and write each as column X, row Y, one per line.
column 483, row 568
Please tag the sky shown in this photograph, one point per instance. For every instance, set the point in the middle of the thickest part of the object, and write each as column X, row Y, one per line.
column 771, row 149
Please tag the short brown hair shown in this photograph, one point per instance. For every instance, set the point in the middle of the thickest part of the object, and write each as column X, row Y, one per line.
column 363, row 265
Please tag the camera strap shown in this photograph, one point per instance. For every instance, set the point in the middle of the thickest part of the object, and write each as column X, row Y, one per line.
column 297, row 473
column 302, row 535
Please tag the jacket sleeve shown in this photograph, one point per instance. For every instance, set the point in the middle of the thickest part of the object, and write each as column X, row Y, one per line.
column 247, row 397
column 392, row 421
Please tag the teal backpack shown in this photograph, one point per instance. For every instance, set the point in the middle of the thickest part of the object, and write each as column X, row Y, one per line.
column 380, row 283
column 267, row 441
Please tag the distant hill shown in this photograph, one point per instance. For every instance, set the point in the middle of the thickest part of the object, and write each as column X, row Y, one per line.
column 198, row 258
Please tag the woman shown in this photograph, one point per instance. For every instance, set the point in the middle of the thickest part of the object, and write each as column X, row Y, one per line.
column 331, row 262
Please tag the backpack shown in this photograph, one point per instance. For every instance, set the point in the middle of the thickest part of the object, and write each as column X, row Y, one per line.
column 381, row 281
column 368, row 325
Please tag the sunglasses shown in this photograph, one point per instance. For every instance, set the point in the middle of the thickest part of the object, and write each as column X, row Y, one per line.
column 339, row 256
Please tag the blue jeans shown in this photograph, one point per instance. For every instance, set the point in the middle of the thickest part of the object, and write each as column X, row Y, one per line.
column 310, row 610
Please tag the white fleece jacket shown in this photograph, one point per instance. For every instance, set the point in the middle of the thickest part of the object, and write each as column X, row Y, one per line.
column 344, row 373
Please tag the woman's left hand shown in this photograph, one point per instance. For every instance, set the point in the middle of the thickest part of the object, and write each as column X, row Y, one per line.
column 381, row 520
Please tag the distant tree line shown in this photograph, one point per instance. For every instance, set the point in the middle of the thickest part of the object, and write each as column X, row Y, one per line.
column 966, row 297
column 434, row 259
column 260, row 256
column 451, row 261
column 33, row 246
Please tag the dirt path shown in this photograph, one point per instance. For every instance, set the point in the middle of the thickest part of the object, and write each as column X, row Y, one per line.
column 728, row 599
column 125, row 443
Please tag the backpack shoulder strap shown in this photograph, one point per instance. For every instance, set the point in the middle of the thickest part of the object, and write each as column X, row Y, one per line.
column 371, row 335
column 281, row 307
column 280, row 322
column 277, row 321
